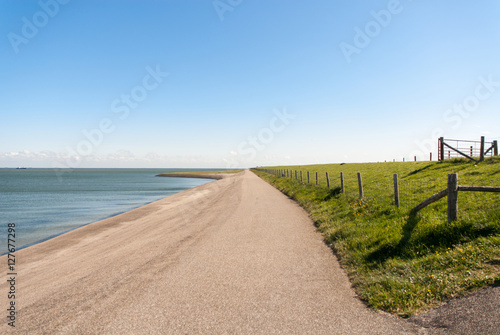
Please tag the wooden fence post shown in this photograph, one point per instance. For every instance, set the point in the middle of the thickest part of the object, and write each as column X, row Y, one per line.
column 317, row 180
column 452, row 196
column 360, row 184
column 430, row 157
column 396, row 190
column 481, row 157
column 495, row 147
column 441, row 149
column 327, row 180
column 342, row 182
column 301, row 179
column 308, row 178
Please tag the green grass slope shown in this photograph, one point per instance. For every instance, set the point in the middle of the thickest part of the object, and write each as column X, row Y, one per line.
column 398, row 262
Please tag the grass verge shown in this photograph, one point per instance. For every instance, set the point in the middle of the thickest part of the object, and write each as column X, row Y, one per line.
column 397, row 262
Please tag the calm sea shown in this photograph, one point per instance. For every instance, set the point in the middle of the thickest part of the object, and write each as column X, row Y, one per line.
column 43, row 203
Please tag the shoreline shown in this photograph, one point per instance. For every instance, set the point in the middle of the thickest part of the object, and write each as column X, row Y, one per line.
column 86, row 259
column 85, row 224
column 200, row 175
column 185, row 175
column 215, row 176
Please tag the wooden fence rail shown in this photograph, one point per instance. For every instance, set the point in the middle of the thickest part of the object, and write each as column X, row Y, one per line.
column 452, row 192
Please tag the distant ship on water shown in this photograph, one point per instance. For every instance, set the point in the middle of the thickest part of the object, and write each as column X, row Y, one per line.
column 21, row 168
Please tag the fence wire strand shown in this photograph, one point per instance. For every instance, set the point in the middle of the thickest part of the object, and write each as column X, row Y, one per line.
column 474, row 206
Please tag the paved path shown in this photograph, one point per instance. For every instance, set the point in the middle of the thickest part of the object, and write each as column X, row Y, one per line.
column 233, row 256
column 474, row 314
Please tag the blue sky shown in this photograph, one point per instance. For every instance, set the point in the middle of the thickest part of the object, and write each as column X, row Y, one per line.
column 228, row 83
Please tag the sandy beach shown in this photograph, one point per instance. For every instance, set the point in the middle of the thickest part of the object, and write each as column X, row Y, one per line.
column 234, row 256
column 216, row 176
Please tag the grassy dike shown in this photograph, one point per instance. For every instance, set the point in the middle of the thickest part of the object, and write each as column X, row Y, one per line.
column 398, row 262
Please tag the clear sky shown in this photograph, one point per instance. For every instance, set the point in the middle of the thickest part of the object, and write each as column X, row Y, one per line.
column 225, row 83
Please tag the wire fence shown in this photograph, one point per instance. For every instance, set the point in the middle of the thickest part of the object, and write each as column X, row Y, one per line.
column 410, row 192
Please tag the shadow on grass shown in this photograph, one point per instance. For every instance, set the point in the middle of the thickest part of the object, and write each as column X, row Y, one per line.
column 420, row 170
column 458, row 164
column 332, row 193
column 386, row 252
column 442, row 237
column 492, row 160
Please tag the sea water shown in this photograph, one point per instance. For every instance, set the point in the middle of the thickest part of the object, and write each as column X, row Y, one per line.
column 43, row 203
